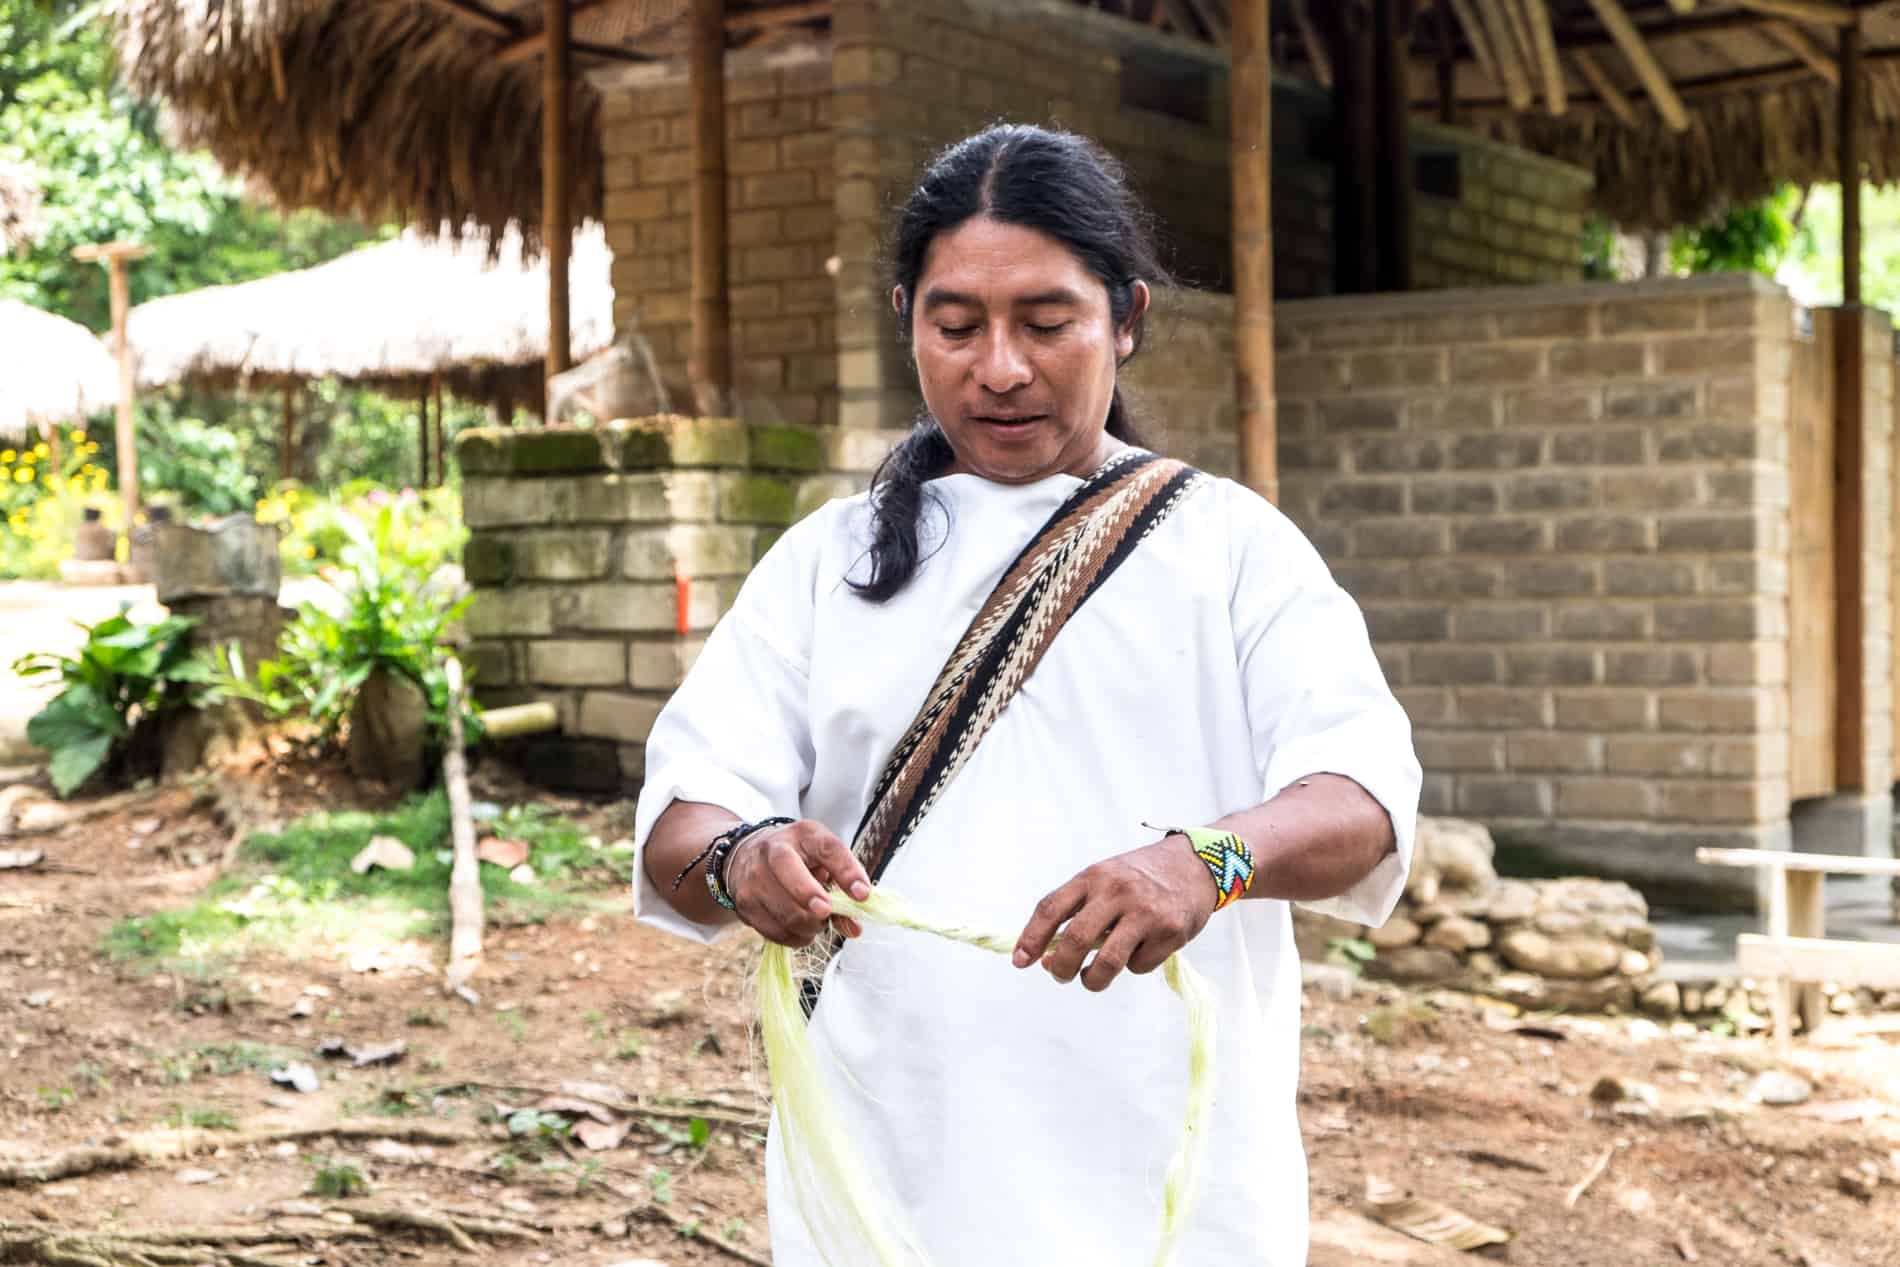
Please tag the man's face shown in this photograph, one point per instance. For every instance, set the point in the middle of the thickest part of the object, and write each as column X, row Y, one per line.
column 1016, row 351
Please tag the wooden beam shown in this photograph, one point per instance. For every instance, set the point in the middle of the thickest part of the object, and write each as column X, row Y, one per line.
column 709, row 354
column 1209, row 18
column 1315, row 46
column 1850, row 347
column 1476, row 37
column 117, row 256
column 1667, row 31
column 1643, row 62
column 1832, row 863
column 1848, row 99
column 1600, row 83
column 1445, row 65
column 1544, row 40
column 1393, row 175
column 475, row 15
column 1802, row 45
column 778, row 15
column 441, row 433
column 287, row 441
column 1250, row 156
column 1851, row 963
column 557, row 229
column 1503, row 44
column 422, row 441
column 530, row 45
column 1682, row 6
column 1815, row 11
column 1713, row 85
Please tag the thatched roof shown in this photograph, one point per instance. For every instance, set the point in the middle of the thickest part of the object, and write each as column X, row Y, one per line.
column 20, row 220
column 426, row 112
column 396, row 316
column 57, row 371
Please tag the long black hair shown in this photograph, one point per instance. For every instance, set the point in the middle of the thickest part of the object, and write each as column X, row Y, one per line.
column 1057, row 182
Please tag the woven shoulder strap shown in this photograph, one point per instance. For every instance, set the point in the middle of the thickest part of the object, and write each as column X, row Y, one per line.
column 1084, row 541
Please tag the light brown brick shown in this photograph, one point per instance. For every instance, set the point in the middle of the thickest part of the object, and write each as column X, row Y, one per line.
column 1425, row 705
column 661, row 665
column 1670, row 756
column 1552, row 666
column 621, row 717
column 1502, row 536
column 1487, row 796
column 1649, row 577
column 1455, row 667
column 1652, row 667
column 1551, row 577
column 1556, row 753
column 1749, row 664
column 1647, row 315
column 1566, row 405
column 1596, row 361
column 1716, row 352
column 1603, row 622
column 1497, row 363
column 1528, row 492
column 1606, row 535
column 1758, row 756
column 1500, row 624
column 1728, row 621
column 1651, row 400
column 1506, row 708
column 1611, row 799
column 1720, row 711
column 1460, row 750
column 576, row 662
column 1710, row 801
column 1397, row 539
column 1605, row 710
column 1409, row 367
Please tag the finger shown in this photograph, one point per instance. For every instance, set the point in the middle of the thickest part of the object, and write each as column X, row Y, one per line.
column 847, row 926
column 1082, row 934
column 825, row 850
column 788, row 867
column 1114, row 955
column 1048, row 916
column 786, row 922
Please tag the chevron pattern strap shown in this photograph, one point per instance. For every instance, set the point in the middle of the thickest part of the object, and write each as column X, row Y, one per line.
column 1088, row 537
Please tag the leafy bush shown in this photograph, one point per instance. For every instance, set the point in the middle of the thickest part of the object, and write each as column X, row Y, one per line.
column 41, row 499
column 125, row 675
column 425, row 526
column 391, row 615
column 203, row 465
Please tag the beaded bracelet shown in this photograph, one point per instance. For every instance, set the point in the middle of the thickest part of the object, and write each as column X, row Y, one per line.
column 1226, row 855
column 716, row 854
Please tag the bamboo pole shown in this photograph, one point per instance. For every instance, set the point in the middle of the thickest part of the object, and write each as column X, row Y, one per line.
column 515, row 720
column 1802, row 45
column 116, row 256
column 1600, row 83
column 465, row 877
column 1643, row 62
column 1544, row 41
column 1821, row 14
column 556, row 190
column 287, row 446
column 709, row 356
column 1850, row 333
column 1250, row 105
column 1503, row 44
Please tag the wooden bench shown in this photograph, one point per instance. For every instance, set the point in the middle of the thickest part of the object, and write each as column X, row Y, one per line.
column 1795, row 955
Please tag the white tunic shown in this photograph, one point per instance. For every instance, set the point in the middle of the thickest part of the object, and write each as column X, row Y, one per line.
column 1016, row 1121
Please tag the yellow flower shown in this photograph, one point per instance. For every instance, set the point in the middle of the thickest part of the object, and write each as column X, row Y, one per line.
column 92, row 446
column 23, row 476
column 40, row 449
column 309, row 552
column 78, row 435
column 7, row 455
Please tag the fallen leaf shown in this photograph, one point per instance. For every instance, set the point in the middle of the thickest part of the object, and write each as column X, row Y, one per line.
column 20, row 859
column 386, row 852
column 506, row 854
column 1428, row 1221
column 600, row 1136
column 578, row 1107
column 300, row 1076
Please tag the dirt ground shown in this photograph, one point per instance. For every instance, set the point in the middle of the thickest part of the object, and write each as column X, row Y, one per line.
column 164, row 1078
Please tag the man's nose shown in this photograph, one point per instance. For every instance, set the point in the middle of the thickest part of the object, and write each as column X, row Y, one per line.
column 1001, row 366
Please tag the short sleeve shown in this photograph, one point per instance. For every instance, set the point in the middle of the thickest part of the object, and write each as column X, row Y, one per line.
column 1317, row 701
column 736, row 733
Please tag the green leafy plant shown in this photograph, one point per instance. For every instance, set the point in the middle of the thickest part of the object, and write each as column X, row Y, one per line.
column 203, row 466
column 1350, row 953
column 390, row 617
column 337, row 1178
column 123, row 677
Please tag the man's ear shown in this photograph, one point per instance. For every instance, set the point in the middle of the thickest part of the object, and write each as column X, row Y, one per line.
column 1125, row 336
column 897, row 300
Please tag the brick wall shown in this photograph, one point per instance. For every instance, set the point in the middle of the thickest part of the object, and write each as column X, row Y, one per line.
column 600, row 558
column 780, row 228
column 1565, row 511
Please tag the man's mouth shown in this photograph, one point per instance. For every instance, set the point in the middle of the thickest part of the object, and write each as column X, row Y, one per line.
column 1010, row 420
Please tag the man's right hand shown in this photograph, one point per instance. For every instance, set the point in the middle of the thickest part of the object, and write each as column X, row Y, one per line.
column 778, row 879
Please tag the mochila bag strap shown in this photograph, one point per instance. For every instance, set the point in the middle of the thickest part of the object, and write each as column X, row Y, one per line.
column 1081, row 545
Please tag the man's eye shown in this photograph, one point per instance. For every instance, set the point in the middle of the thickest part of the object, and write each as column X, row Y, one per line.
column 956, row 332
column 1057, row 328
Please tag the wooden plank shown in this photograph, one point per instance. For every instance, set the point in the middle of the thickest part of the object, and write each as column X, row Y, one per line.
column 1600, row 83
column 779, row 15
column 1250, row 131
column 1815, row 11
column 1846, row 963
column 1392, row 229
column 1643, row 62
column 1807, row 917
column 557, row 230
column 1850, row 597
column 1503, row 44
column 1893, row 574
column 1829, row 863
column 1802, row 45
column 530, row 45
column 1310, row 41
column 1811, row 610
column 709, row 353
column 477, row 16
column 1780, row 992
column 1544, row 44
column 1478, row 38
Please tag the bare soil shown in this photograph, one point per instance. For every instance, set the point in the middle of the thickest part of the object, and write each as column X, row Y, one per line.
column 1442, row 1096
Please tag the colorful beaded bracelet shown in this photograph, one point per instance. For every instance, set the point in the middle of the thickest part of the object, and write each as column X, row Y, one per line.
column 716, row 854
column 1227, row 857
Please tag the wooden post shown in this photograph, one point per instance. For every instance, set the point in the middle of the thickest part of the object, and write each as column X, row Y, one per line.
column 1250, row 155
column 287, row 444
column 556, row 191
column 709, row 358
column 422, row 443
column 1850, row 335
column 441, row 433
column 1355, row 188
column 1393, row 204
column 1442, row 19
column 115, row 256
column 466, row 915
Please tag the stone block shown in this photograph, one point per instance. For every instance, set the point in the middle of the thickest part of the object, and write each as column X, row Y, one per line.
column 1720, row 711
column 510, row 613
column 784, row 447
column 490, row 502
column 621, row 608
column 1498, row 450
column 1651, row 315
column 756, row 499
column 1485, row 796
column 1651, row 400
column 1527, row 492
column 1551, row 577
column 620, row 717
column 696, row 442
column 658, row 497
column 1552, row 666
column 1500, row 624
column 1360, row 413
column 485, row 450
column 1604, row 622
column 1566, row 405
column 1460, row 751
column 1715, row 352
column 1362, row 498
column 1455, row 667
column 1496, row 363
column 232, row 557
column 662, row 665
column 1713, row 444
column 563, row 451
column 1596, row 361
column 1649, row 577
column 1609, row 447
column 1443, row 497
column 1556, row 753
column 1503, row 707
column 1389, row 538
column 1605, row 711
column 1502, row 536
column 1749, row 664
column 694, row 550
column 489, row 664
column 1605, row 535
column 581, row 554
column 1652, row 667
column 1455, row 578
column 1667, row 756
column 818, row 490
column 1712, row 801
column 577, row 662
column 1739, row 620
column 1711, row 534
column 1613, row 799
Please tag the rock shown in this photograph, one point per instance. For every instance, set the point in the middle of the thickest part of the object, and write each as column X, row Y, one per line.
column 1330, row 980
column 1577, row 957
column 1843, row 1004
column 1394, row 933
column 40, row 816
column 1715, row 998
column 1776, row 1087
column 1662, row 998
column 1459, row 850
column 197, row 1176
column 12, row 799
column 1314, row 933
column 1890, row 1001
column 235, row 555
column 383, row 851
column 389, row 730
column 1692, row 1001
column 524, row 876
column 1617, row 1091
column 506, row 854
column 39, row 998
column 1422, row 885
column 1419, row 964
column 1482, row 963
column 1641, row 1030
column 1633, row 963
column 1511, row 902
column 1534, row 993
column 297, row 1207
column 1857, row 1183
column 1458, row 935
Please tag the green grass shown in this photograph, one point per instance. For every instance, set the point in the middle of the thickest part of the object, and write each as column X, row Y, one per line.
column 294, row 891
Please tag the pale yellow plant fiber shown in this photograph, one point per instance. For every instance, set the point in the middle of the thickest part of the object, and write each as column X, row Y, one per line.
column 838, row 1196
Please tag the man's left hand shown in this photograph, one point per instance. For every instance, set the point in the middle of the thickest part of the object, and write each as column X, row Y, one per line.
column 1138, row 908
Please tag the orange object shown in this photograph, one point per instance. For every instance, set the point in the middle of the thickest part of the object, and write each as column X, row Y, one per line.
column 682, row 601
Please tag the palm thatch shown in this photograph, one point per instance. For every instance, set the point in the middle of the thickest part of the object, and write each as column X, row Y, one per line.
column 57, row 371
column 400, row 316
column 20, row 221
column 375, row 110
